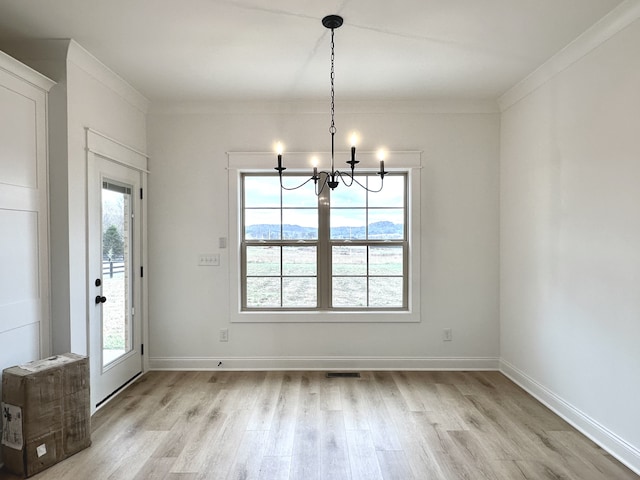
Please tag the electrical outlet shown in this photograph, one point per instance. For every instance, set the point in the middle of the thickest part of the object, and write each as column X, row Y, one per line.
column 209, row 259
column 224, row 334
column 447, row 335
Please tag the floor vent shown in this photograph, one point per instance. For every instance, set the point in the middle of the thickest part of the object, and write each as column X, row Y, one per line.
column 343, row 374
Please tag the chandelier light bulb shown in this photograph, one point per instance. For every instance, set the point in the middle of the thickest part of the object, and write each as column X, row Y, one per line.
column 279, row 150
column 354, row 139
column 381, row 156
column 314, row 163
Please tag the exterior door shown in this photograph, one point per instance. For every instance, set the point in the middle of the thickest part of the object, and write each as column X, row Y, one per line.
column 114, row 265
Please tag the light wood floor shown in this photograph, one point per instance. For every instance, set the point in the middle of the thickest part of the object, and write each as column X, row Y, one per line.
column 303, row 426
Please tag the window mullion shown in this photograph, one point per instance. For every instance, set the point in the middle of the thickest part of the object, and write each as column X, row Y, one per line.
column 324, row 248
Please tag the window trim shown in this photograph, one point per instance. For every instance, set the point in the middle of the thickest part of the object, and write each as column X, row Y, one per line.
column 249, row 162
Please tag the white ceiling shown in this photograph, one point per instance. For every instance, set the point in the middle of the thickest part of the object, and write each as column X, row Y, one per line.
column 278, row 50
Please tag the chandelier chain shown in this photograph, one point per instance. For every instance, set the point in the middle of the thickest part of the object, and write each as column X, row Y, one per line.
column 332, row 129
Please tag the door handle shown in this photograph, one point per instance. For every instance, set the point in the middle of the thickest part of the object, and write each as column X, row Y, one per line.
column 100, row 299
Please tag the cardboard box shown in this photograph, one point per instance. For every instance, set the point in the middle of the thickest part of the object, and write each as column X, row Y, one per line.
column 46, row 412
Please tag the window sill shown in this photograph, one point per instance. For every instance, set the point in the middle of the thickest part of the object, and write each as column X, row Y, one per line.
column 326, row 317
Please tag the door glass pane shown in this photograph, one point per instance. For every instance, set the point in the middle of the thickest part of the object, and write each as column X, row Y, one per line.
column 116, row 271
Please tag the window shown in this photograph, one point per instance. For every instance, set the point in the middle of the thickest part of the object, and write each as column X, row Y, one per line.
column 346, row 250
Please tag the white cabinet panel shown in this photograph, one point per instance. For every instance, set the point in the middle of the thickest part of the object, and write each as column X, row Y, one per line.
column 24, row 257
column 16, row 315
column 20, row 345
column 18, row 139
column 19, row 276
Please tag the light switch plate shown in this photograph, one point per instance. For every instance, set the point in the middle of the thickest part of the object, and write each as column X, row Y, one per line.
column 209, row 259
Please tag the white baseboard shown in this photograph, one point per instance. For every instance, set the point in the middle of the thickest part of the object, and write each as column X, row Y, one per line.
column 323, row 363
column 605, row 438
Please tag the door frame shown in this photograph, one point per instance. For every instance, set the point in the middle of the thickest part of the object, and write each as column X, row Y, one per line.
column 100, row 145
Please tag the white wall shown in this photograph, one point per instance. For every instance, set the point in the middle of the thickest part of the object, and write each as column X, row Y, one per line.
column 87, row 95
column 570, row 242
column 188, row 212
column 96, row 99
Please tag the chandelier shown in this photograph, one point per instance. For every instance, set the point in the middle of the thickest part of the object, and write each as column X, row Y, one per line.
column 332, row 178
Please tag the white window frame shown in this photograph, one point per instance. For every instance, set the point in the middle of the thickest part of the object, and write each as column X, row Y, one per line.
column 242, row 162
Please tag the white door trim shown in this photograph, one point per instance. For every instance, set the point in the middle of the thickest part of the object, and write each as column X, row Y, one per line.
column 101, row 145
column 116, row 151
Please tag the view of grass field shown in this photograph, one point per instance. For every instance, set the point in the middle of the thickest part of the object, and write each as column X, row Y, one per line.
column 363, row 276
column 281, row 274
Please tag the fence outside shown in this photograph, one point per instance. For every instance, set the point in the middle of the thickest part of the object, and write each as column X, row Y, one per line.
column 112, row 268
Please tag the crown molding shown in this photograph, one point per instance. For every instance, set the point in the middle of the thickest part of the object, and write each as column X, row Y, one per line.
column 312, row 107
column 80, row 57
column 614, row 22
column 18, row 69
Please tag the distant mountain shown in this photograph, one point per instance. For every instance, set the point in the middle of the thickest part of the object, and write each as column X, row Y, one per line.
column 266, row 231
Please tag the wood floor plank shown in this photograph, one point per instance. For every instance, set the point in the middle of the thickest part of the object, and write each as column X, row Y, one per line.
column 381, row 425
column 266, row 401
column 129, row 464
column 506, row 470
column 221, row 452
column 362, row 456
column 304, row 426
column 155, row 469
column 407, row 423
column 193, row 456
column 406, row 384
column 421, row 458
column 334, row 451
column 543, row 470
column 274, row 468
column 353, row 403
column 282, row 428
column 306, row 459
column 330, row 395
column 249, row 456
column 394, row 465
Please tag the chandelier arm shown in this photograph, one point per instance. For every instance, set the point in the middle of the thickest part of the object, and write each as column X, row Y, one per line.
column 378, row 190
column 353, row 179
column 294, row 188
column 323, row 184
column 348, row 175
